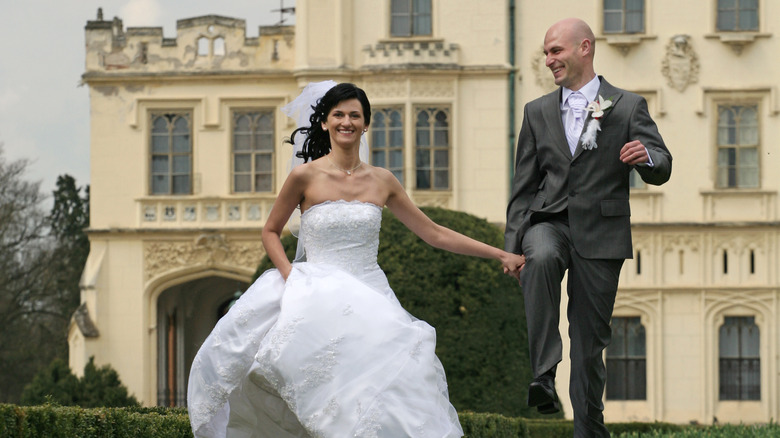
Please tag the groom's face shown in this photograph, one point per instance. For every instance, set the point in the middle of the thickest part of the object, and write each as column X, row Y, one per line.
column 564, row 57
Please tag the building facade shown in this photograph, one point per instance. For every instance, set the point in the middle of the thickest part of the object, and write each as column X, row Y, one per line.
column 188, row 153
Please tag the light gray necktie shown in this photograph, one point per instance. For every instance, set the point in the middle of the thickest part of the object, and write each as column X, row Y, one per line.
column 577, row 104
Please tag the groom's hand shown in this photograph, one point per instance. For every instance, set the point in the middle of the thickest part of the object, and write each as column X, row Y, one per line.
column 634, row 152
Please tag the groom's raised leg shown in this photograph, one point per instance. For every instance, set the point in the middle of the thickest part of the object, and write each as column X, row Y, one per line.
column 546, row 248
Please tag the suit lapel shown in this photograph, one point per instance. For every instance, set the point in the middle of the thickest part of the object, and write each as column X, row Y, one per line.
column 551, row 111
column 607, row 91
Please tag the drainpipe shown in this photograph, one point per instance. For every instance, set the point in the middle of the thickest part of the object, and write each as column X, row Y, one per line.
column 512, row 76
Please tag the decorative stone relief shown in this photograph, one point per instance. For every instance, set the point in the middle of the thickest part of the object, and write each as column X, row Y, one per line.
column 675, row 242
column 206, row 250
column 443, row 88
column 680, row 66
column 387, row 88
column 543, row 75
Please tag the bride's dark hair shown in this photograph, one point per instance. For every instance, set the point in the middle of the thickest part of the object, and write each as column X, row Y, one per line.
column 317, row 141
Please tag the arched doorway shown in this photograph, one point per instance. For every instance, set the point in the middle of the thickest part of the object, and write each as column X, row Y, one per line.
column 186, row 314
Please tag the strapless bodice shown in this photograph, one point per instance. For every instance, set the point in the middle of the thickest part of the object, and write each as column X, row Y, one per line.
column 342, row 233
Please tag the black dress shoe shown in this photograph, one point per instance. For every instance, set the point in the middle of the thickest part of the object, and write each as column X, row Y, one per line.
column 541, row 393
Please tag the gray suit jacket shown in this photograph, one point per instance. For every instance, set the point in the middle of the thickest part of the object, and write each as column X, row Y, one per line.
column 592, row 184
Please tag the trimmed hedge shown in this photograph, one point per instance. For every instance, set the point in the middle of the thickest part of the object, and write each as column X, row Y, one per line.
column 51, row 421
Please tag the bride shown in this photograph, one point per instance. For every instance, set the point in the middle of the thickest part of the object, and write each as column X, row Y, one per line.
column 322, row 348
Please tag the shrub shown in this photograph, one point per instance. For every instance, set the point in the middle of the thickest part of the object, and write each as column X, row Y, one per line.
column 99, row 387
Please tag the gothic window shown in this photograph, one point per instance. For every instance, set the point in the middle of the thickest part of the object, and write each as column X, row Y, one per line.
column 737, row 15
column 171, row 153
column 387, row 140
column 626, row 361
column 432, row 148
column 624, row 16
column 739, row 359
column 410, row 18
column 253, row 151
column 738, row 142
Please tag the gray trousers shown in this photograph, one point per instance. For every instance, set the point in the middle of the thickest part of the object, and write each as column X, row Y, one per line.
column 592, row 286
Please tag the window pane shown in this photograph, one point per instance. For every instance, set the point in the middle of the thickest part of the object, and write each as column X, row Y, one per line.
column 263, row 183
column 423, row 159
column 160, row 143
column 378, row 158
column 636, row 338
column 400, row 26
column 181, row 164
column 378, row 138
column 396, row 159
column 181, row 184
column 241, row 142
column 263, row 163
column 242, row 183
column 181, row 143
column 422, row 25
column 617, row 347
column 242, row 124
column 441, row 179
column 160, row 164
column 160, row 125
column 441, row 137
column 423, row 179
column 635, row 22
column 616, row 379
column 400, row 6
column 441, row 159
column 726, row 20
column 613, row 21
column 423, row 138
column 266, row 122
column 265, row 142
column 378, row 119
column 729, row 339
column 396, row 137
column 160, row 184
column 242, row 163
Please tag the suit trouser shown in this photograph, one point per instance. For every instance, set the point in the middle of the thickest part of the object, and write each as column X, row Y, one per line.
column 592, row 286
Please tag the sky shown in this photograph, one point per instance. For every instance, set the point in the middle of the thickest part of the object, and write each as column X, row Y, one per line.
column 44, row 110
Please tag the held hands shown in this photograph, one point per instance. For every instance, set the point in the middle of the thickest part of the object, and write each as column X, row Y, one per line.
column 513, row 264
column 634, row 152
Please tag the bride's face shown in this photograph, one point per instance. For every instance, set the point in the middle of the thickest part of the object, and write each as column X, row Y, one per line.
column 345, row 123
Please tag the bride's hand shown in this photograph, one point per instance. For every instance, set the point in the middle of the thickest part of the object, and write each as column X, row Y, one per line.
column 513, row 264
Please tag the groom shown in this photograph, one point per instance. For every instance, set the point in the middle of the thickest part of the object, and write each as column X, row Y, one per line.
column 569, row 210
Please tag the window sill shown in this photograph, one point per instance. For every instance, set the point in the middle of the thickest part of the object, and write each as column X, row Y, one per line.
column 625, row 41
column 737, row 40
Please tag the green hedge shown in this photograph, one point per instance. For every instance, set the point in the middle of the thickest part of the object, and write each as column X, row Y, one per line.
column 51, row 421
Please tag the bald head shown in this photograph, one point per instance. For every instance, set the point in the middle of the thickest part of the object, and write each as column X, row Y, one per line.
column 574, row 31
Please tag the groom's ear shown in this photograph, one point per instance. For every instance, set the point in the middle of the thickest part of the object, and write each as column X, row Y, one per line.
column 586, row 47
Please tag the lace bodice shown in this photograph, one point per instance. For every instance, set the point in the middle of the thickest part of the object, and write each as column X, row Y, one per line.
column 342, row 233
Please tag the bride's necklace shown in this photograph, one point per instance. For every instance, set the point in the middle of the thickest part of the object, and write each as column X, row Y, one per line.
column 347, row 171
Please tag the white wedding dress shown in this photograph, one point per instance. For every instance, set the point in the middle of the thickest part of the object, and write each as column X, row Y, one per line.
column 328, row 353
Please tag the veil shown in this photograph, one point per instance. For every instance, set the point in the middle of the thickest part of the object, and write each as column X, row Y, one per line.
column 300, row 110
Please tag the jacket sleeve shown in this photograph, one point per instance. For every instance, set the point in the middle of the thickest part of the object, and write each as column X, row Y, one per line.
column 525, row 183
column 643, row 128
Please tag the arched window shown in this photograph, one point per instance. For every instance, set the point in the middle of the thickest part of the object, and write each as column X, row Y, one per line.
column 739, row 359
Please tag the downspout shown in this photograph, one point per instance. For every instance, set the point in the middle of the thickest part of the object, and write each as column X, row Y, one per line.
column 512, row 75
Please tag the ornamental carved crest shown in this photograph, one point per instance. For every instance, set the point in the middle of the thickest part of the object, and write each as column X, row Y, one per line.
column 680, row 66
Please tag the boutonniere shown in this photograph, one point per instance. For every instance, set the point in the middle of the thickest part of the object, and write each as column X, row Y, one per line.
column 597, row 108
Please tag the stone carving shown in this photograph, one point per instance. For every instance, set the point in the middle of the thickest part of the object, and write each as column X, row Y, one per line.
column 441, row 88
column 206, row 250
column 386, row 88
column 680, row 66
column 543, row 75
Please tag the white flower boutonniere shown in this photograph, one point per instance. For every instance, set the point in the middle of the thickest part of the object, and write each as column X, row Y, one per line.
column 597, row 107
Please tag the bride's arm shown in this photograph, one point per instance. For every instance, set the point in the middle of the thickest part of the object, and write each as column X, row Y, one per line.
column 289, row 197
column 442, row 237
